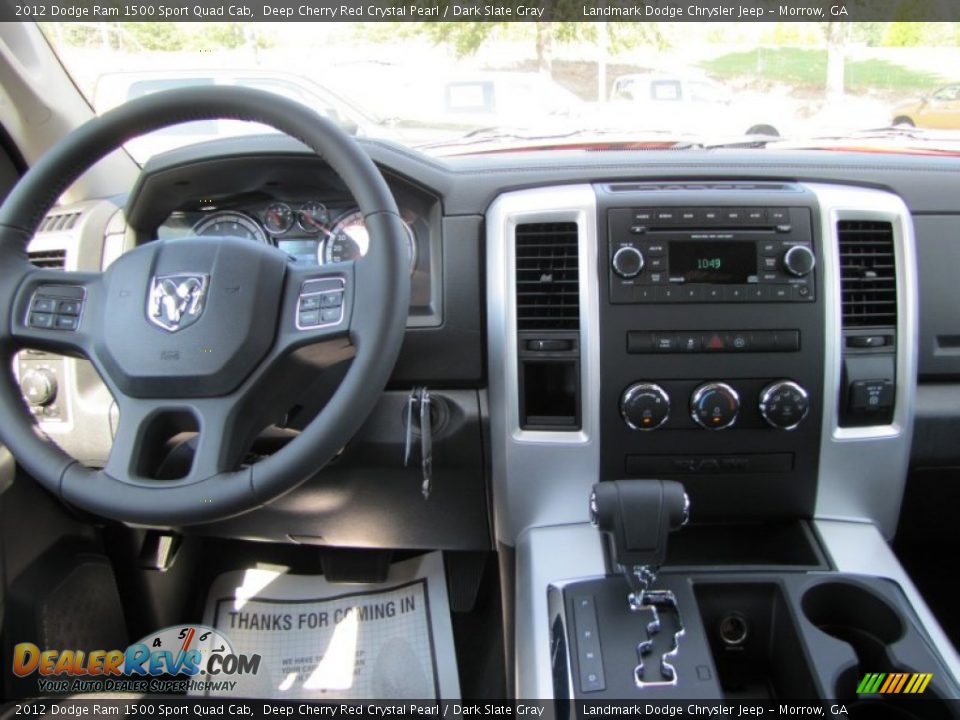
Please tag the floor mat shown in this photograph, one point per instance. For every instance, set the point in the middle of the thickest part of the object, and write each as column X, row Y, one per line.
column 322, row 640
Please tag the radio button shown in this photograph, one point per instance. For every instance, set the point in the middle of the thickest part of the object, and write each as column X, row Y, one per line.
column 758, row 292
column 627, row 262
column 770, row 263
column 735, row 293
column 665, row 217
column 733, row 215
column 644, row 293
column 711, row 216
column 770, row 248
column 668, row 293
column 756, row 216
column 691, row 293
column 688, row 216
column 643, row 215
column 713, row 293
column 779, row 293
column 656, row 278
column 655, row 250
column 656, row 263
column 799, row 260
column 778, row 216
column 802, row 292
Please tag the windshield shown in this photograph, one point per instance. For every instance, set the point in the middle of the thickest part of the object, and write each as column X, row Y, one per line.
column 462, row 87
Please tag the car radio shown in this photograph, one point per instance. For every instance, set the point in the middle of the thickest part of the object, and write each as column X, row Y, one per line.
column 711, row 254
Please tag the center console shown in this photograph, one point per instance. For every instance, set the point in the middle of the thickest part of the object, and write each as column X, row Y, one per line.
column 756, row 342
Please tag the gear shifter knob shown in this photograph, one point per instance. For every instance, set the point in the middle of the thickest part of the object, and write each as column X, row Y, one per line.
column 636, row 516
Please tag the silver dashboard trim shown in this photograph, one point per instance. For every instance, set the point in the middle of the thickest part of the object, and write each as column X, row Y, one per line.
column 860, row 548
column 862, row 471
column 540, row 477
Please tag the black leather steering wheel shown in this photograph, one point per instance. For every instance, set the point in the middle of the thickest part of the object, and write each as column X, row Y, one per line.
column 193, row 332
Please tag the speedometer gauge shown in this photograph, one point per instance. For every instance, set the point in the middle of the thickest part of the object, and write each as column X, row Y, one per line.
column 349, row 240
column 230, row 224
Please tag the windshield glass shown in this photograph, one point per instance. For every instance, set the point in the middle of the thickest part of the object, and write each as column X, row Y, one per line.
column 462, row 87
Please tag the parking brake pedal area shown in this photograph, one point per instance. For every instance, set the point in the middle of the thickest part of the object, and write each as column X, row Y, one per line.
column 322, row 640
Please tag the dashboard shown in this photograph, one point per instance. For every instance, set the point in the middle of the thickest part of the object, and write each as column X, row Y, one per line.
column 655, row 360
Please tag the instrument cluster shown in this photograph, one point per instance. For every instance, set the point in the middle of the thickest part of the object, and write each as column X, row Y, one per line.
column 310, row 230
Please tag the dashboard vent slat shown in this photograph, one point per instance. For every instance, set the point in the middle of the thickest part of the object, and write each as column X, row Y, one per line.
column 867, row 273
column 547, row 276
column 49, row 259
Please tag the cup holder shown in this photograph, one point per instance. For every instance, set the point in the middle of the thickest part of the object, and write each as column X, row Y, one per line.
column 856, row 616
column 870, row 625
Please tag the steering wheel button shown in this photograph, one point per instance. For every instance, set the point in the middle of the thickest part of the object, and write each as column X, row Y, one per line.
column 321, row 285
column 44, row 304
column 69, row 307
column 67, row 322
column 333, row 300
column 330, row 315
column 310, row 302
column 310, row 318
column 41, row 320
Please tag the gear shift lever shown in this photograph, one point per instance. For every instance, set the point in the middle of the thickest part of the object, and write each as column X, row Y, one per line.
column 636, row 516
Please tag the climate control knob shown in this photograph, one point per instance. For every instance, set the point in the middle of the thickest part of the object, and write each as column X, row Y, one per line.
column 714, row 406
column 628, row 262
column 799, row 260
column 644, row 406
column 784, row 404
column 39, row 387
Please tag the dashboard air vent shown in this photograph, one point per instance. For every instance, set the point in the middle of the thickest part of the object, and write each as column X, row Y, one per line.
column 59, row 222
column 867, row 273
column 548, row 276
column 49, row 259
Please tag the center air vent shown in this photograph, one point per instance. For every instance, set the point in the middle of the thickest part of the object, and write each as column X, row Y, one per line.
column 548, row 276
column 49, row 259
column 867, row 273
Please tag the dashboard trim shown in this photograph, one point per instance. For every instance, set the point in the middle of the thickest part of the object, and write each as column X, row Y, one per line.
column 540, row 477
column 863, row 470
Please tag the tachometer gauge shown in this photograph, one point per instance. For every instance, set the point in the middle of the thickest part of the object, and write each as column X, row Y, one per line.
column 349, row 240
column 313, row 217
column 230, row 224
column 278, row 218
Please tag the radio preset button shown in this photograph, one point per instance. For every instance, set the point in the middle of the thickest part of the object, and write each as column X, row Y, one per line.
column 627, row 262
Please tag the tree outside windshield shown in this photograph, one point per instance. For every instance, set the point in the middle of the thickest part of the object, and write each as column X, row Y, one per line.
column 439, row 84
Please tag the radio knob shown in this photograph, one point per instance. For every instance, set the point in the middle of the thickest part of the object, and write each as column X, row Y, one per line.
column 627, row 262
column 714, row 406
column 784, row 404
column 644, row 406
column 39, row 387
column 799, row 260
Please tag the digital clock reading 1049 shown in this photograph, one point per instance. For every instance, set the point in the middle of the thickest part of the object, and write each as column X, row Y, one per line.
column 715, row 262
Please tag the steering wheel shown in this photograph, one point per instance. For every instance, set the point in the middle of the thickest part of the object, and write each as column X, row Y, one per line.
column 192, row 333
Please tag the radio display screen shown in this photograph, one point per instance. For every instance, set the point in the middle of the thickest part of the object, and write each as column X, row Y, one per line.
column 727, row 262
